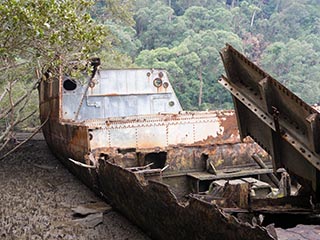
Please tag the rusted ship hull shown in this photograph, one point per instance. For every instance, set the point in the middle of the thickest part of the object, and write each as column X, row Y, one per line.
column 155, row 207
column 158, row 168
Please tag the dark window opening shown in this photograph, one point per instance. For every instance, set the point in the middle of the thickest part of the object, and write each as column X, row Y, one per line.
column 158, row 159
column 69, row 84
column 204, row 161
column 204, row 185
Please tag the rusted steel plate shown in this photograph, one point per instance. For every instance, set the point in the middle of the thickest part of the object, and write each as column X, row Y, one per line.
column 163, row 130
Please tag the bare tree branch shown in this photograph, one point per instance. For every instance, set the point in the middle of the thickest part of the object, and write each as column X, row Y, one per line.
column 15, row 116
column 26, row 140
column 4, row 144
column 3, row 94
column 15, row 65
column 26, row 95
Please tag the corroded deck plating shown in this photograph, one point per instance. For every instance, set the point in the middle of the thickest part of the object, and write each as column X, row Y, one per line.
column 177, row 144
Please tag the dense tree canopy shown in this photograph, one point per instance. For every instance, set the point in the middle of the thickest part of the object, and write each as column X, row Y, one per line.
column 185, row 36
column 182, row 36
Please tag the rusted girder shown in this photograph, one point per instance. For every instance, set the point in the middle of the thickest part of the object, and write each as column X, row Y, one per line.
column 279, row 121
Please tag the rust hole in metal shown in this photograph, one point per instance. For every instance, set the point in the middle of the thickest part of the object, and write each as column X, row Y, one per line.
column 103, row 156
column 204, row 159
column 158, row 159
column 160, row 74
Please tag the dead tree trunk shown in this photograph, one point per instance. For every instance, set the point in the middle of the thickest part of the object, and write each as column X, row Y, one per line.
column 14, row 106
column 200, row 86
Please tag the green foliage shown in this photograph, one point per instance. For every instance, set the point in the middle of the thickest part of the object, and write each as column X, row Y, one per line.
column 44, row 29
column 41, row 34
column 154, row 25
column 185, row 36
column 195, row 58
column 298, row 69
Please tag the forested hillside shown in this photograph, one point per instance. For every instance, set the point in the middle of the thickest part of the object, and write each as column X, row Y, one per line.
column 184, row 37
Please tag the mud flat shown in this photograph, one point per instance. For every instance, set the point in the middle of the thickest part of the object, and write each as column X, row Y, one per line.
column 37, row 195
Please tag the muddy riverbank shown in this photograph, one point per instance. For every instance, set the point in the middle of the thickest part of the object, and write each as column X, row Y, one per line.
column 37, row 196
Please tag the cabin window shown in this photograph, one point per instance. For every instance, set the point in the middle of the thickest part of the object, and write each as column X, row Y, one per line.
column 69, row 84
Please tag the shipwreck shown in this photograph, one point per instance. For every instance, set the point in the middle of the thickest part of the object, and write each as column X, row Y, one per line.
column 187, row 175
